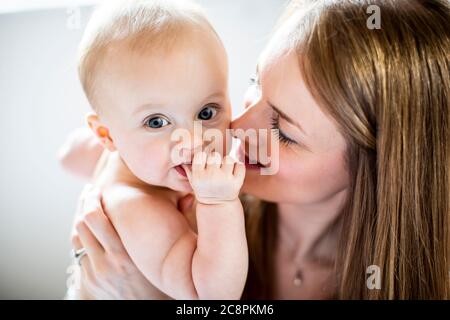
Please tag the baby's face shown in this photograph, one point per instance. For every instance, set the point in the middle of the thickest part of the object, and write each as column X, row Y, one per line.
column 145, row 97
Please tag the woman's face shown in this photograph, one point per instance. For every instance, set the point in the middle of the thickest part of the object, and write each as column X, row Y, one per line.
column 311, row 149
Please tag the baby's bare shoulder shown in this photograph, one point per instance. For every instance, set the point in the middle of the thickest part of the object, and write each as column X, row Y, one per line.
column 121, row 200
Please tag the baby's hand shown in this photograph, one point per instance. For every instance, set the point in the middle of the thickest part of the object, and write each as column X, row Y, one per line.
column 215, row 179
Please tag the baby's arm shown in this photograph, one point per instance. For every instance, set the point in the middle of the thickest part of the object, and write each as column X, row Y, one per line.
column 80, row 152
column 157, row 238
column 220, row 263
column 166, row 250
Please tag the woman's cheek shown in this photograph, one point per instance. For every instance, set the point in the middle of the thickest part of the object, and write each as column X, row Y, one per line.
column 291, row 174
column 307, row 179
column 325, row 177
column 335, row 170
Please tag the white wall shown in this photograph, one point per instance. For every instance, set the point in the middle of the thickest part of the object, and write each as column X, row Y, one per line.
column 41, row 102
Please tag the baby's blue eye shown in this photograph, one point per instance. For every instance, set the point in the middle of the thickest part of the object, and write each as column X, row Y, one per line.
column 157, row 122
column 207, row 113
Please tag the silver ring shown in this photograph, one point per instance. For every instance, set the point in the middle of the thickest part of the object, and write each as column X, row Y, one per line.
column 78, row 255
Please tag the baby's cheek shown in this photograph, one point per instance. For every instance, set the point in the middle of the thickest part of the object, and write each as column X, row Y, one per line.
column 155, row 162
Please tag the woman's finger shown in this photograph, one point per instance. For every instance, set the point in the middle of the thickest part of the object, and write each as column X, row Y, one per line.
column 88, row 275
column 90, row 243
column 99, row 224
column 79, row 209
column 76, row 242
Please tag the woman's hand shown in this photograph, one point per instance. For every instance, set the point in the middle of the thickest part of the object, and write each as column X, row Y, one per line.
column 107, row 272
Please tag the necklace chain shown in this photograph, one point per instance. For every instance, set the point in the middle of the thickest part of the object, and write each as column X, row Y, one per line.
column 297, row 279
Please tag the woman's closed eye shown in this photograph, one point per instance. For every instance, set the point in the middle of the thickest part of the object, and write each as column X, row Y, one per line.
column 156, row 122
column 282, row 137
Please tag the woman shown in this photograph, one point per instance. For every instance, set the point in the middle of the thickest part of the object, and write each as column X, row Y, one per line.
column 363, row 180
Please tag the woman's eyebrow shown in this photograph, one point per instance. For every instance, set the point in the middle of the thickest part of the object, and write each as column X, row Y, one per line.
column 287, row 118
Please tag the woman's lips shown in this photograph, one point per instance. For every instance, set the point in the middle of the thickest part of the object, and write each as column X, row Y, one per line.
column 244, row 158
column 252, row 166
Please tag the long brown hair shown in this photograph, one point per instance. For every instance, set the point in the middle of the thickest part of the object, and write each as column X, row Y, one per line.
column 388, row 91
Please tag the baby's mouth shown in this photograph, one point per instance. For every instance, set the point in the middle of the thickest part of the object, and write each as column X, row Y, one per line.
column 179, row 168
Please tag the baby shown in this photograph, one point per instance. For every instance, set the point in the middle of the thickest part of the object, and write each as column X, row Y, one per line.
column 149, row 68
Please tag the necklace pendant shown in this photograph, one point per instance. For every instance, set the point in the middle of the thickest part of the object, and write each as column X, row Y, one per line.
column 298, row 279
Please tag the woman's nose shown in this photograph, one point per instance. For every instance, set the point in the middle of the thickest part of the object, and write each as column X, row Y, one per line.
column 248, row 119
column 252, row 95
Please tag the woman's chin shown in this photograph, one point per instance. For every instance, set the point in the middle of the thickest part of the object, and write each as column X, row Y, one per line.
column 250, row 186
column 256, row 186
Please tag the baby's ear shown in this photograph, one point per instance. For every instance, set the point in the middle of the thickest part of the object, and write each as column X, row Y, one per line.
column 100, row 131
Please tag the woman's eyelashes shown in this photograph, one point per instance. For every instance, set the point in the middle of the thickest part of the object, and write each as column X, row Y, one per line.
column 156, row 122
column 282, row 137
column 254, row 81
column 253, row 92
